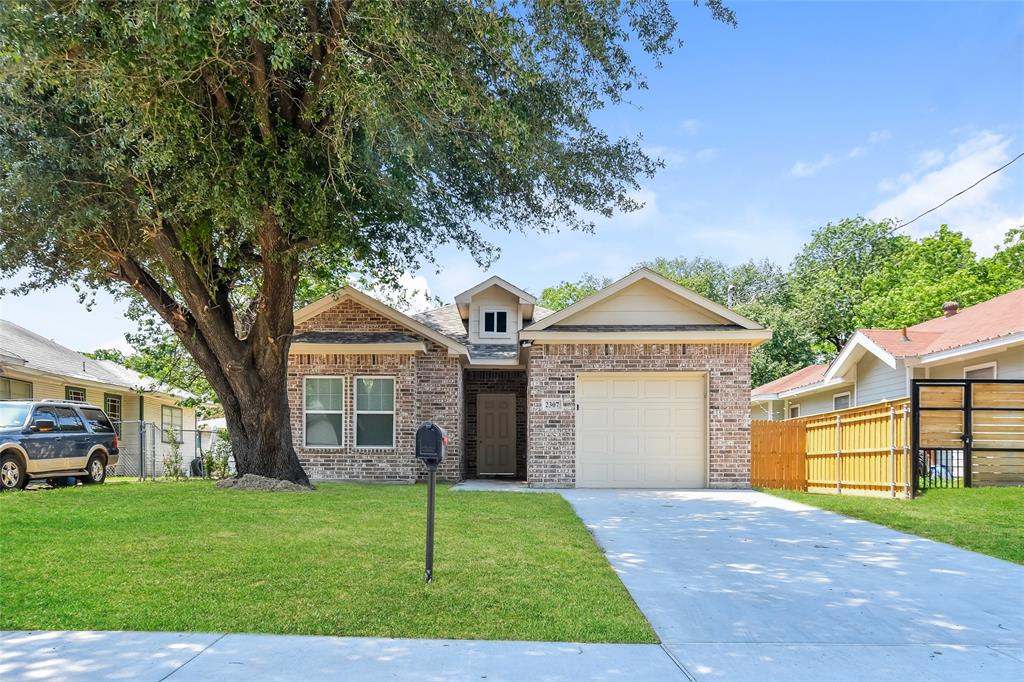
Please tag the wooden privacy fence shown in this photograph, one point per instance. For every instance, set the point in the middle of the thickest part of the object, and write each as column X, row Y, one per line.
column 860, row 450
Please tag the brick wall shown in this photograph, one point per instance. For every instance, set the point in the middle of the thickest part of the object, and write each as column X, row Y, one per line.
column 427, row 386
column 495, row 381
column 553, row 369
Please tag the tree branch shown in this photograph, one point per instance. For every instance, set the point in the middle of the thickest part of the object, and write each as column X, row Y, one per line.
column 261, row 89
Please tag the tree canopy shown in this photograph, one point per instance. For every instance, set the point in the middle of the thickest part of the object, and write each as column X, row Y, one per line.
column 206, row 154
column 851, row 274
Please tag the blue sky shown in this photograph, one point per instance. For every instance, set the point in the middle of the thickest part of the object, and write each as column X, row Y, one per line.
column 803, row 114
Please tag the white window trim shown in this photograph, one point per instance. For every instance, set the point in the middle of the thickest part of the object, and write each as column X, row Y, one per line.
column 789, row 411
column 840, row 395
column 984, row 365
column 180, row 433
column 338, row 377
column 356, row 412
column 495, row 335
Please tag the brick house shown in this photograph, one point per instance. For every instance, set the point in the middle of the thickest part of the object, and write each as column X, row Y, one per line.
column 644, row 384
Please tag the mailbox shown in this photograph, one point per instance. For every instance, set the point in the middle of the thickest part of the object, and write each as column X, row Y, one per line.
column 431, row 443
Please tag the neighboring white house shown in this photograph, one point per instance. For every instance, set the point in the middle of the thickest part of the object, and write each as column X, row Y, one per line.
column 984, row 341
column 33, row 367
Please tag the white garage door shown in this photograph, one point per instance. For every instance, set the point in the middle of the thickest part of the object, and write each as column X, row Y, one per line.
column 640, row 430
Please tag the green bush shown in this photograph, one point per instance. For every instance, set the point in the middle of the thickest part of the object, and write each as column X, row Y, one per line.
column 220, row 456
column 172, row 460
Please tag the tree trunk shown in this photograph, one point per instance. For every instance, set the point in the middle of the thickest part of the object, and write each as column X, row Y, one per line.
column 260, row 428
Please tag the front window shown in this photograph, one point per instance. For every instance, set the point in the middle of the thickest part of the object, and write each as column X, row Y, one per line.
column 14, row 389
column 794, row 411
column 112, row 406
column 171, row 421
column 986, row 371
column 323, row 407
column 74, row 393
column 840, row 401
column 13, row 415
column 375, row 412
column 495, row 322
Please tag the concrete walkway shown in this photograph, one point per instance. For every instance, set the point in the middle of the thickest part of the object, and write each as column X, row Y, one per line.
column 745, row 586
column 155, row 656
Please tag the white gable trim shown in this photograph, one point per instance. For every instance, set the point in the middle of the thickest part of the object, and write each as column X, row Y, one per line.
column 655, row 278
column 859, row 341
column 316, row 307
column 525, row 298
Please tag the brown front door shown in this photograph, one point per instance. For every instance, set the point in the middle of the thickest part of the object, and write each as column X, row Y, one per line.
column 496, row 433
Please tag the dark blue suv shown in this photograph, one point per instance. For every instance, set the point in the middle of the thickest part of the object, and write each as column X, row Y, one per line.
column 54, row 439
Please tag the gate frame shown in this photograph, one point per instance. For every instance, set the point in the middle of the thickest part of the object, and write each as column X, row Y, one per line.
column 966, row 408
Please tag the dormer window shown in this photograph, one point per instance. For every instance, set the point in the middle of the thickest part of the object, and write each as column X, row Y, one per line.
column 494, row 323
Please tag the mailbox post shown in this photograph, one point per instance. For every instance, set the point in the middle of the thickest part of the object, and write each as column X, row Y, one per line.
column 431, row 443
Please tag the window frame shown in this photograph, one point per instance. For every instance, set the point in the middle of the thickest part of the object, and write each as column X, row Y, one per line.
column 337, row 377
column 849, row 399
column 789, row 411
column 181, row 428
column 994, row 364
column 120, row 410
column 74, row 413
column 67, row 394
column 495, row 334
column 10, row 394
column 356, row 412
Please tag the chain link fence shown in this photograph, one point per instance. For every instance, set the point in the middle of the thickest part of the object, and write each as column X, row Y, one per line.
column 146, row 449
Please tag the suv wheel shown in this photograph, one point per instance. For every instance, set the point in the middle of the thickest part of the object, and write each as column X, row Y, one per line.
column 12, row 473
column 97, row 470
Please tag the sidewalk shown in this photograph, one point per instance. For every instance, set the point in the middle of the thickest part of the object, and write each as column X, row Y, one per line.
column 155, row 656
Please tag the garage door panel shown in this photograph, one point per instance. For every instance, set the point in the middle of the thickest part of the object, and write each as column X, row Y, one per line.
column 641, row 431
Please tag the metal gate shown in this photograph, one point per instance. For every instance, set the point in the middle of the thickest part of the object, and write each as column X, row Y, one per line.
column 967, row 432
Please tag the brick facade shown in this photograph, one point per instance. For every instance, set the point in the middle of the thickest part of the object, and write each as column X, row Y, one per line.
column 495, row 381
column 427, row 386
column 552, row 374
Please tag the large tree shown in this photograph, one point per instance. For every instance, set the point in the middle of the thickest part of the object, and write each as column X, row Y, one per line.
column 205, row 154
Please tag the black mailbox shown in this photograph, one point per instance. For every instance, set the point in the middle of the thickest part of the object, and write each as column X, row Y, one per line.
column 431, row 443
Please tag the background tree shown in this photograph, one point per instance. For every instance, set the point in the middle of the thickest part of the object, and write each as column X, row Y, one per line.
column 828, row 276
column 206, row 154
column 565, row 294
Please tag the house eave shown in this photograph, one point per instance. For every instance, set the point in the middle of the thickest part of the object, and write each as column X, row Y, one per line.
column 753, row 337
column 846, row 359
column 969, row 351
column 398, row 348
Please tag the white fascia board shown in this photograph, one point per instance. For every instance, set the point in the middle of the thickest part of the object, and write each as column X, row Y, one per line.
column 858, row 341
column 754, row 337
column 525, row 298
column 764, row 397
column 963, row 352
column 813, row 388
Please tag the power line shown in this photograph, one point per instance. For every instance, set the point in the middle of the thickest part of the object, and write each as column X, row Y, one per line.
column 966, row 189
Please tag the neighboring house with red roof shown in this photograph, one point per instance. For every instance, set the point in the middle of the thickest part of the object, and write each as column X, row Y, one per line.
column 984, row 341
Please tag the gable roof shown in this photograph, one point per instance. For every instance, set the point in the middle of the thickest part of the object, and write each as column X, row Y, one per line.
column 804, row 376
column 997, row 321
column 316, row 307
column 495, row 281
column 653, row 277
column 29, row 352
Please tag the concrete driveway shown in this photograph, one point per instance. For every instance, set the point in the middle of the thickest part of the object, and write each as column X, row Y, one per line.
column 740, row 585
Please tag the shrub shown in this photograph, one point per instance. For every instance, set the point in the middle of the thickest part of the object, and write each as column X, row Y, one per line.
column 220, row 454
column 172, row 460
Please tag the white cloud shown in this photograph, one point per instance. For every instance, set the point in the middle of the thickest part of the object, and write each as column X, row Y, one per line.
column 807, row 169
column 675, row 156
column 691, row 126
column 980, row 213
column 411, row 296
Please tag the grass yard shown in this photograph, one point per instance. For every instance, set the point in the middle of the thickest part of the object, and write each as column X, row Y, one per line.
column 986, row 520
column 344, row 560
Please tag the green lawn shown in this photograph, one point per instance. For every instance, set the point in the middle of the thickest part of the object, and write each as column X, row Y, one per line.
column 987, row 520
column 344, row 560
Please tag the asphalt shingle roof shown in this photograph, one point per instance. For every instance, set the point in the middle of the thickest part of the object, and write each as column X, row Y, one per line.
column 30, row 351
column 353, row 337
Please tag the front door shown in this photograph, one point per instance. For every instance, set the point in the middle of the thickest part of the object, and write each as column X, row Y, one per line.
column 496, row 433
